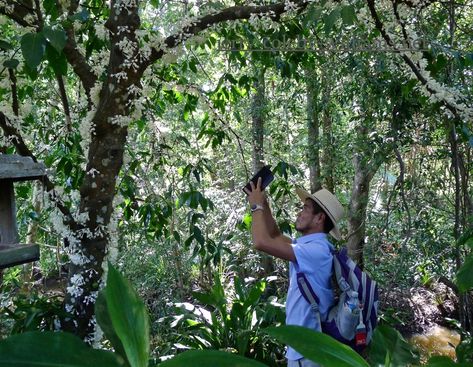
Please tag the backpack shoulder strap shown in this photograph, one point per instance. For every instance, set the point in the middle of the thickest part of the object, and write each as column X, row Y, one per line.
column 308, row 293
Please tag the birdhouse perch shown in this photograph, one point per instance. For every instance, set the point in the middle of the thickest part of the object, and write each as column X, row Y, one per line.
column 15, row 168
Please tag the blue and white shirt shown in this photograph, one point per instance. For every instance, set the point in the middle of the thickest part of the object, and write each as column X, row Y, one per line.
column 314, row 259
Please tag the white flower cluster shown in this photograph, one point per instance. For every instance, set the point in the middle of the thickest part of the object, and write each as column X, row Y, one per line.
column 129, row 49
column 75, row 288
column 121, row 75
column 93, row 172
column 8, row 7
column 121, row 5
column 87, row 127
column 99, row 63
column 120, row 120
column 290, row 6
column 101, row 32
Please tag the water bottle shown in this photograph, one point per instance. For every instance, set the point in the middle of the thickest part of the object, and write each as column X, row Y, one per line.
column 352, row 302
column 360, row 333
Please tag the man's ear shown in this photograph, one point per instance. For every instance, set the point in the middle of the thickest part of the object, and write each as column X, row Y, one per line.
column 319, row 218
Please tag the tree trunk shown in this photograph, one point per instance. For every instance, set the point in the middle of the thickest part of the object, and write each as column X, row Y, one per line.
column 365, row 166
column 88, row 242
column 465, row 311
column 328, row 156
column 258, row 117
column 328, row 146
column 357, row 209
column 313, row 129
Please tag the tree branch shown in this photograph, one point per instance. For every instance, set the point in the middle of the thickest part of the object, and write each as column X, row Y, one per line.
column 18, row 10
column 274, row 11
column 14, row 92
column 65, row 102
column 379, row 25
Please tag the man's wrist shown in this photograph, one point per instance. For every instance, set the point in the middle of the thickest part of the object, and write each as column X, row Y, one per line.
column 256, row 207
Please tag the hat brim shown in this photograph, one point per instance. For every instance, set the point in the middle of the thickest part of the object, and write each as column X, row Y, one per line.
column 303, row 195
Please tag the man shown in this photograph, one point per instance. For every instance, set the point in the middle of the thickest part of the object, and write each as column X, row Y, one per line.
column 310, row 253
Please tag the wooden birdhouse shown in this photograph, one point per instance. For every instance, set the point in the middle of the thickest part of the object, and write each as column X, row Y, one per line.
column 15, row 168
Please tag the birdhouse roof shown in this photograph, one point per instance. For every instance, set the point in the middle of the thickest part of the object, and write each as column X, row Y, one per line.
column 19, row 168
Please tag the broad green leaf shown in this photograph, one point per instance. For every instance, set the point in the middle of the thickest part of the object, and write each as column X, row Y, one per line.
column 33, row 46
column 103, row 318
column 330, row 19
column 129, row 318
column 53, row 349
column 314, row 13
column 317, row 347
column 465, row 275
column 255, row 294
column 210, row 358
column 389, row 343
column 4, row 45
column 56, row 37
column 348, row 14
column 12, row 63
column 56, row 60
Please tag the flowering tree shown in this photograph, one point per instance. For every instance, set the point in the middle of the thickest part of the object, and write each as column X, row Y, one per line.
column 105, row 61
column 109, row 49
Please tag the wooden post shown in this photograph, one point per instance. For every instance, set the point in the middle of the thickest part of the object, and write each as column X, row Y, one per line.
column 14, row 168
column 8, row 226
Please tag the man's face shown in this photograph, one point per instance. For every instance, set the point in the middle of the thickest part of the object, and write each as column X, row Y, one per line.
column 306, row 219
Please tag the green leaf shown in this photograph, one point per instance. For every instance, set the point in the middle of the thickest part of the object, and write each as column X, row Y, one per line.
column 330, row 19
column 4, row 45
column 103, row 318
column 129, row 318
column 465, row 275
column 255, row 294
column 57, row 61
column 11, row 64
column 210, row 358
column 33, row 46
column 53, row 349
column 317, row 347
column 51, row 9
column 198, row 235
column 389, row 343
column 56, row 37
column 348, row 14
column 314, row 13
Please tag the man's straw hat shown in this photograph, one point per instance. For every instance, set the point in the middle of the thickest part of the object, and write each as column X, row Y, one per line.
column 330, row 205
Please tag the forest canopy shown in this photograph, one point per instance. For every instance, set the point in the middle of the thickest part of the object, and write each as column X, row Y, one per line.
column 150, row 116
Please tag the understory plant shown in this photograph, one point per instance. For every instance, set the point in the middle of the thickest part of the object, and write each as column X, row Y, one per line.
column 123, row 317
column 229, row 322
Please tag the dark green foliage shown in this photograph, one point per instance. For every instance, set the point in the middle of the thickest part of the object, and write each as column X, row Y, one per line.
column 124, row 319
column 318, row 347
column 231, row 323
column 53, row 349
column 465, row 273
column 389, row 348
column 210, row 358
column 31, row 312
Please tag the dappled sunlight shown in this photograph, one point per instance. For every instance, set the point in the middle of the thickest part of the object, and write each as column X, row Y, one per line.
column 437, row 341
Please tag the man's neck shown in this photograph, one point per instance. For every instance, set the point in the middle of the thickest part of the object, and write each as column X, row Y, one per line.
column 310, row 231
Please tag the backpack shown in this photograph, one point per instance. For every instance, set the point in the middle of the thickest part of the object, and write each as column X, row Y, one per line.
column 353, row 317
